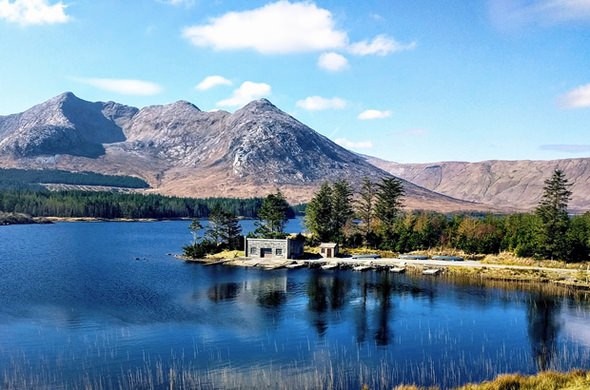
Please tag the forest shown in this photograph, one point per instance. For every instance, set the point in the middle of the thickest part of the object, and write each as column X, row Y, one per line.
column 15, row 178
column 375, row 218
column 112, row 205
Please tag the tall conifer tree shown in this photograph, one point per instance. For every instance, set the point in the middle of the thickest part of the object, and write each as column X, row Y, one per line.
column 552, row 210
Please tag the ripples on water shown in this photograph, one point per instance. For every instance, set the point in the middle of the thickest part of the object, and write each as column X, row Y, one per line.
column 103, row 305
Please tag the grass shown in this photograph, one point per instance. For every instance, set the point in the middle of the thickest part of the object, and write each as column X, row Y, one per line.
column 507, row 258
column 226, row 254
column 574, row 380
column 547, row 380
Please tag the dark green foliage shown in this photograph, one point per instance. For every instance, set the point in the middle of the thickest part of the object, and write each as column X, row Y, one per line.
column 578, row 238
column 273, row 215
column 365, row 209
column 223, row 229
column 318, row 214
column 110, row 205
column 342, row 211
column 198, row 250
column 390, row 193
column 521, row 234
column 195, row 227
column 54, row 176
column 552, row 210
column 329, row 211
column 223, row 232
column 15, row 219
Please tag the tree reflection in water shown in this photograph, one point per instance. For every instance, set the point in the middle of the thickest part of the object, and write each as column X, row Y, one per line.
column 325, row 293
column 361, row 313
column 384, row 290
column 223, row 292
column 543, row 328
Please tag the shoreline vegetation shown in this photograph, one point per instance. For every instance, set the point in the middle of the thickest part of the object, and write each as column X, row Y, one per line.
column 504, row 267
column 572, row 380
column 20, row 219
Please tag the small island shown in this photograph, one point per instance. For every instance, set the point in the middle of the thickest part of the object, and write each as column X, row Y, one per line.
column 19, row 219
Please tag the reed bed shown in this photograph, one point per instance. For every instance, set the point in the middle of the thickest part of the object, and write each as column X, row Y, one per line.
column 336, row 367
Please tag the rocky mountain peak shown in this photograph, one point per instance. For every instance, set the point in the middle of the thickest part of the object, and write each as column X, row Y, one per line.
column 64, row 124
column 182, row 150
column 258, row 106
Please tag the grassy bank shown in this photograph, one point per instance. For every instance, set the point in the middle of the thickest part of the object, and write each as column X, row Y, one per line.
column 548, row 380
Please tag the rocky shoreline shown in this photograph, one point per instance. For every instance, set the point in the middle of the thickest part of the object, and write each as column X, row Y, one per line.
column 577, row 279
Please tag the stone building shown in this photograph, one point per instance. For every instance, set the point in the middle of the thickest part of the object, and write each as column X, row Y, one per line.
column 287, row 248
column 328, row 250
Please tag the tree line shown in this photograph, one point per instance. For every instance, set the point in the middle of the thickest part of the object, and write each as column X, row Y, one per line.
column 374, row 218
column 223, row 231
column 23, row 178
column 112, row 205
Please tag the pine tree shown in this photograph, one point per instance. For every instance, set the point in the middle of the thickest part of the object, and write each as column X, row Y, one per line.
column 552, row 210
column 318, row 214
column 231, row 232
column 329, row 211
column 342, row 211
column 214, row 230
column 224, row 229
column 272, row 216
column 195, row 227
column 390, row 193
column 365, row 208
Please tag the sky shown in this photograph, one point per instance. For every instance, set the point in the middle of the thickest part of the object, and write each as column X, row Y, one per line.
column 406, row 81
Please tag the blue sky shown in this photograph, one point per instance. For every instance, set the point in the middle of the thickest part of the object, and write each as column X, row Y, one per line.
column 406, row 81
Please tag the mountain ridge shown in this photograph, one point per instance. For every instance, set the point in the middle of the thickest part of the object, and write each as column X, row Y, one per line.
column 181, row 150
column 499, row 183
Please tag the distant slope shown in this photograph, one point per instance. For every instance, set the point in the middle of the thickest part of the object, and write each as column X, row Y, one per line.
column 55, row 176
column 504, row 184
column 180, row 150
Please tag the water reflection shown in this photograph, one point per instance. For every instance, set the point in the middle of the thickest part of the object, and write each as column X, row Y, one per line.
column 223, row 292
column 63, row 308
column 317, row 293
column 384, row 291
column 543, row 328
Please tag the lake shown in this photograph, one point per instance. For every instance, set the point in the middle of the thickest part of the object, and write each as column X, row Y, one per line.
column 105, row 305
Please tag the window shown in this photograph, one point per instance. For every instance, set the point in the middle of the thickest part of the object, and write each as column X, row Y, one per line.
column 279, row 252
column 253, row 250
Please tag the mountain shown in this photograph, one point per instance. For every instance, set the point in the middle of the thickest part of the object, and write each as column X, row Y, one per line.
column 517, row 184
column 182, row 150
column 64, row 124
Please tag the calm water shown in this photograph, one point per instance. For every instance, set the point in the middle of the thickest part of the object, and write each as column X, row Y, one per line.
column 105, row 305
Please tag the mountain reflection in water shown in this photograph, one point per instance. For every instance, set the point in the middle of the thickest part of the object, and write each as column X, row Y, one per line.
column 77, row 309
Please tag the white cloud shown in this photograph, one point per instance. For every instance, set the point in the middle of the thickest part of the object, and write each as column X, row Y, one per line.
column 514, row 13
column 345, row 143
column 186, row 3
column 577, row 98
column 276, row 28
column 247, row 92
column 332, row 62
column 30, row 12
column 381, row 45
column 318, row 103
column 123, row 86
column 211, row 82
column 563, row 10
column 374, row 114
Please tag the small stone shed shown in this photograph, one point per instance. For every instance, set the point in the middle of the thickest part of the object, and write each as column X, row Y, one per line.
column 328, row 250
column 287, row 248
